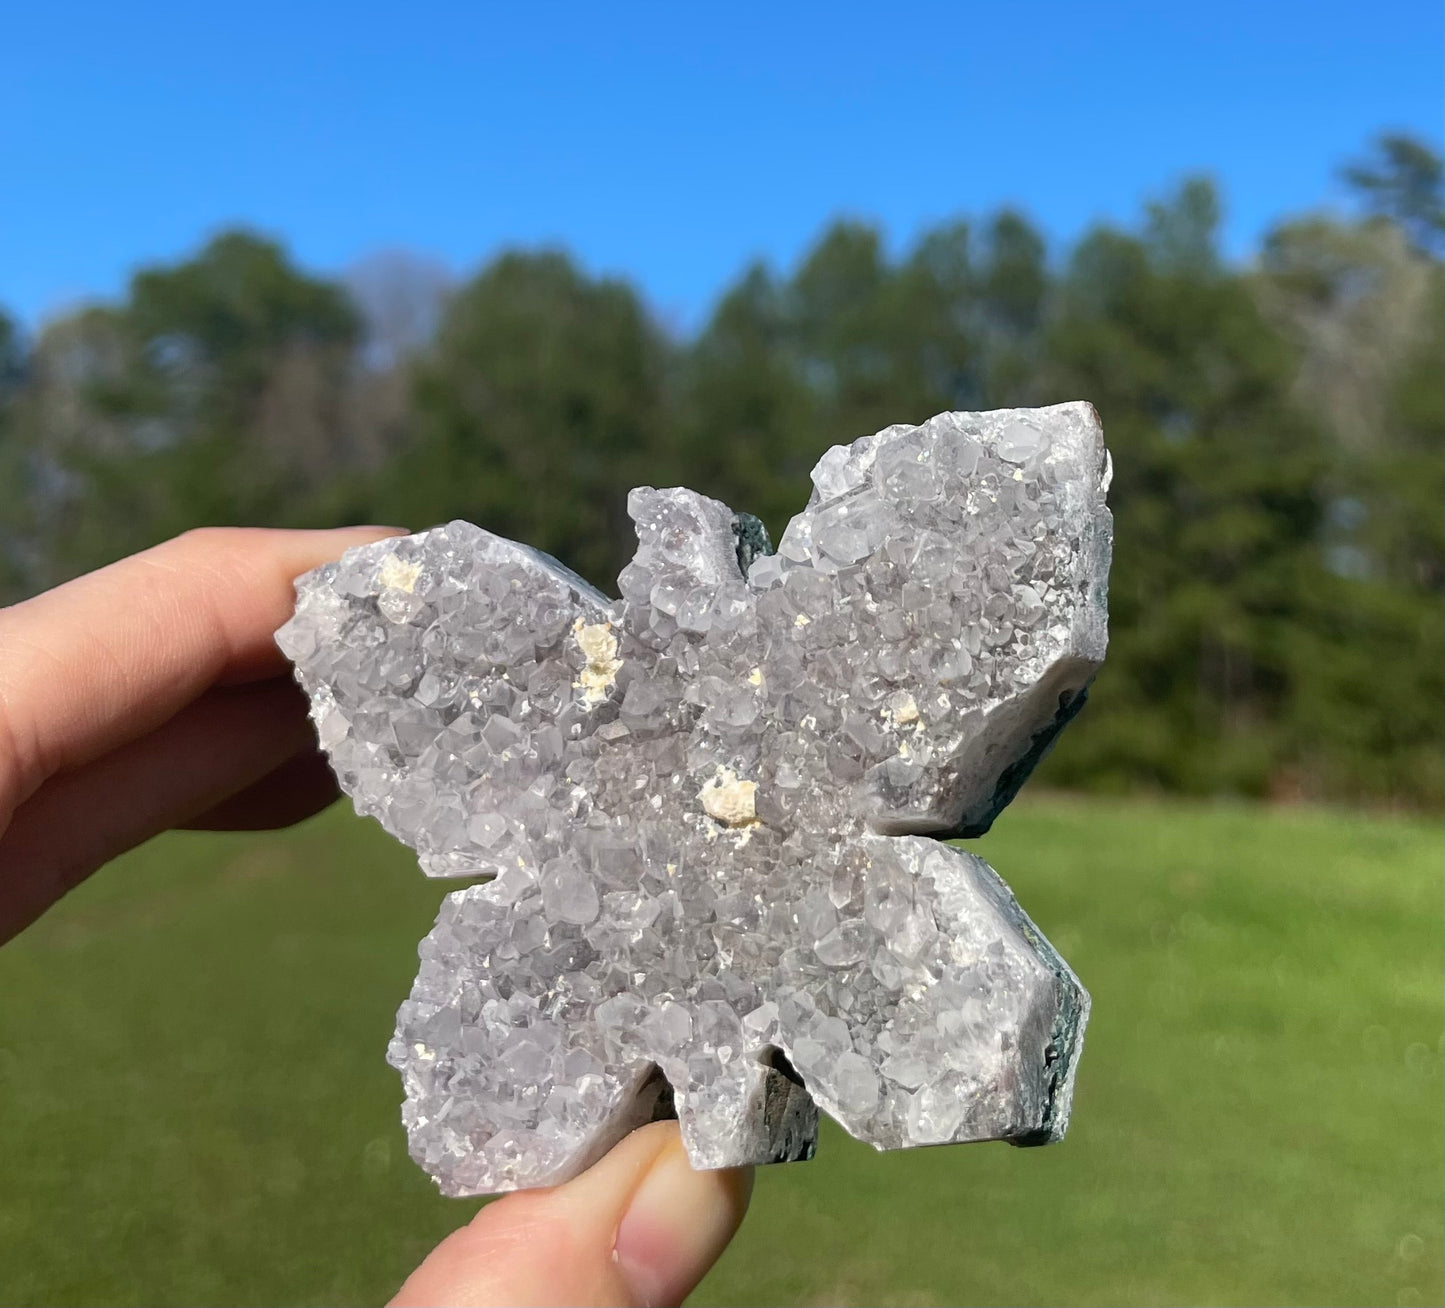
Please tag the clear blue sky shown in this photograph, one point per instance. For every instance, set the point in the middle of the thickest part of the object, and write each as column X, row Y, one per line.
column 669, row 142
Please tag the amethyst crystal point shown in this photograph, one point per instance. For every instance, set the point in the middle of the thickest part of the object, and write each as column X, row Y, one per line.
column 708, row 813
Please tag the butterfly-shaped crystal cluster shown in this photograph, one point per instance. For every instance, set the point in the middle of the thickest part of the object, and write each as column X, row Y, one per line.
column 703, row 824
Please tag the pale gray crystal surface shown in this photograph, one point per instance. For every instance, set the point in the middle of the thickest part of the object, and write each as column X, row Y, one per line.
column 709, row 811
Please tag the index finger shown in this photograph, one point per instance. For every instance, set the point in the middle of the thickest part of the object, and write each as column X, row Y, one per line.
column 108, row 657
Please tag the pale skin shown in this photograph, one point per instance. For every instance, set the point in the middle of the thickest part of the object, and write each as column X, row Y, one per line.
column 149, row 695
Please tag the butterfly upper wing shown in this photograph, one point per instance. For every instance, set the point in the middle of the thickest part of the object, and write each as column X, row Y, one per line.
column 952, row 575
column 456, row 739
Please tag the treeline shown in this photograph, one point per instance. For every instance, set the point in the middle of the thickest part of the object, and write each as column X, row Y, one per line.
column 1276, row 431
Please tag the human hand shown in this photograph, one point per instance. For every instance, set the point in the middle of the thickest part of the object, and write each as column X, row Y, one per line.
column 150, row 695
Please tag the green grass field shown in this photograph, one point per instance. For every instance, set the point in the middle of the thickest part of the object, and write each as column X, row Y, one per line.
column 194, row 1107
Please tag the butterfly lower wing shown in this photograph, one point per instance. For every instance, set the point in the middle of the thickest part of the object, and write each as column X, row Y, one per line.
column 963, row 1022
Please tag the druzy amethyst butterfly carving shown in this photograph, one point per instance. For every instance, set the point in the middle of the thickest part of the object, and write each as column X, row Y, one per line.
column 703, row 824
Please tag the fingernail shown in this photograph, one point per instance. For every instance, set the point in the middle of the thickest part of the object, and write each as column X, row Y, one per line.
column 677, row 1224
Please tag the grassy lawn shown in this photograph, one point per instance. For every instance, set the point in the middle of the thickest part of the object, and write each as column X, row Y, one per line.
column 194, row 1106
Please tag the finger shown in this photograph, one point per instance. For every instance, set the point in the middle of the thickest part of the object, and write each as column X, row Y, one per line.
column 301, row 786
column 110, row 656
column 220, row 745
column 639, row 1227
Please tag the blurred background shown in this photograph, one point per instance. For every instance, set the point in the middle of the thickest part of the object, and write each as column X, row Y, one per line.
column 311, row 265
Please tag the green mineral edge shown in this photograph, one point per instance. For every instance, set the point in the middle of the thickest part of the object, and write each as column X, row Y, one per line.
column 1065, row 1042
column 750, row 539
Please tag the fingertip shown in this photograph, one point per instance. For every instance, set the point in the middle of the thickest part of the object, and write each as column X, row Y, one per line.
column 678, row 1223
column 366, row 533
column 290, row 793
column 257, row 552
column 325, row 544
column 640, row 1227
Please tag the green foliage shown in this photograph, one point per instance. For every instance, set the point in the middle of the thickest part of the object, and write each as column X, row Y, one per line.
column 1216, row 504
column 12, row 505
column 213, row 394
column 1405, row 181
column 541, row 404
column 1364, row 312
column 1257, row 1120
column 1276, row 432
column 852, row 342
column 11, row 356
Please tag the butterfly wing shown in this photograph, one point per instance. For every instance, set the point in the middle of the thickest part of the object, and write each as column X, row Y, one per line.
column 935, row 616
column 952, row 578
column 451, row 674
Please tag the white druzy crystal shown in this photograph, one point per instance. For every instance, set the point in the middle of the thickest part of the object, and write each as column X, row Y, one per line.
column 707, row 814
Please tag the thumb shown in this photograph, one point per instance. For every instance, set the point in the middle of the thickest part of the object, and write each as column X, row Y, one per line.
column 640, row 1227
